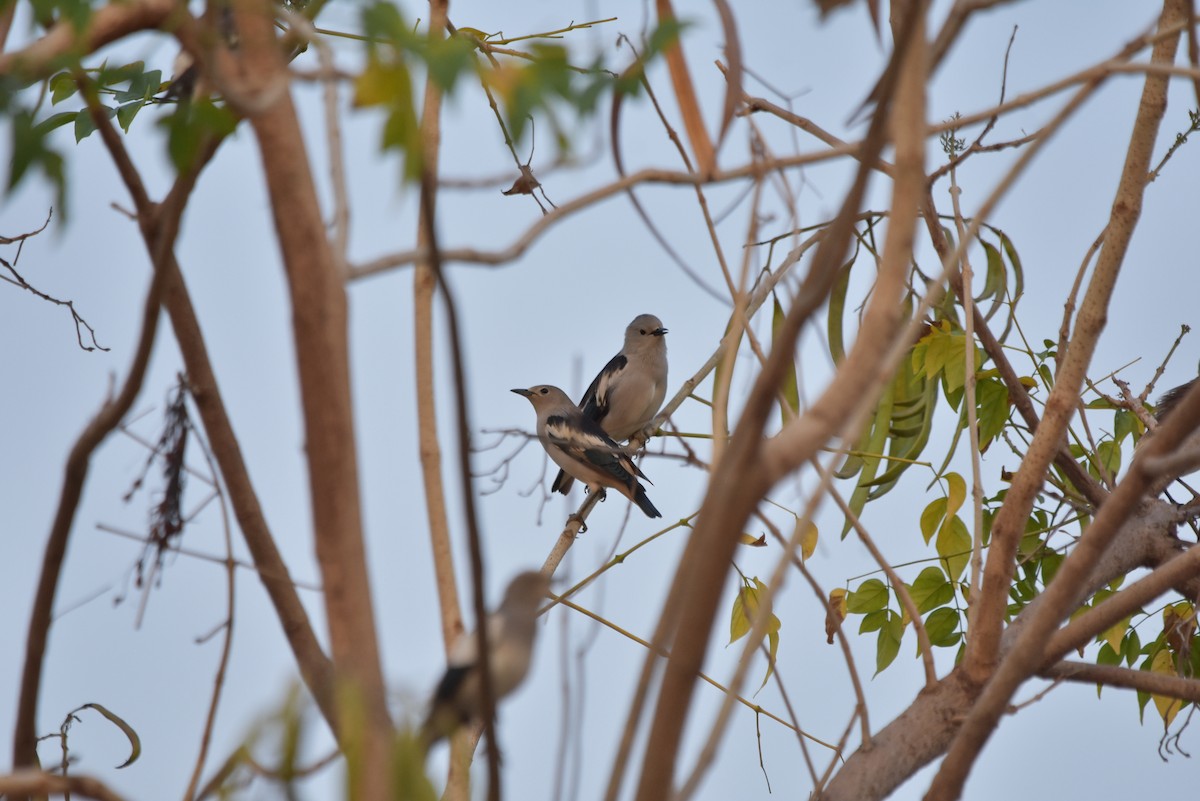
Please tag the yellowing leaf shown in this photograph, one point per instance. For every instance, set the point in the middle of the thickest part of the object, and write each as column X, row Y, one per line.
column 752, row 541
column 745, row 605
column 378, row 84
column 1167, row 707
column 1179, row 624
column 1114, row 635
column 954, row 546
column 956, row 495
column 836, row 613
column 808, row 539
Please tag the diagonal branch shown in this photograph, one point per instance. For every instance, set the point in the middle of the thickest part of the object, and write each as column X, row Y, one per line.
column 1060, row 596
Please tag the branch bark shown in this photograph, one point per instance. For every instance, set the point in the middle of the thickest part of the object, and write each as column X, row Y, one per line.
column 319, row 319
column 107, row 24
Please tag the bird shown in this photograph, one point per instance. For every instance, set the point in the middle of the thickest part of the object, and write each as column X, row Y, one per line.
column 579, row 446
column 1170, row 399
column 511, row 631
column 624, row 397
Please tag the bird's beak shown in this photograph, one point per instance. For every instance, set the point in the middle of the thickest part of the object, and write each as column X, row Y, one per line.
column 524, row 392
column 658, row 332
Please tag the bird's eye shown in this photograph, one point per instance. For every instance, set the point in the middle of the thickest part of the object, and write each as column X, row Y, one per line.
column 642, row 331
column 544, row 390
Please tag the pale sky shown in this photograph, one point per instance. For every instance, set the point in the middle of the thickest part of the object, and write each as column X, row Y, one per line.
column 553, row 316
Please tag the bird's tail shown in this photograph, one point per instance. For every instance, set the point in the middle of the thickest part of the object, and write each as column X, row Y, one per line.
column 643, row 502
column 562, row 483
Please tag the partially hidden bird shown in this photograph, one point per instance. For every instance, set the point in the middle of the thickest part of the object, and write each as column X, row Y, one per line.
column 624, row 397
column 579, row 446
column 511, row 631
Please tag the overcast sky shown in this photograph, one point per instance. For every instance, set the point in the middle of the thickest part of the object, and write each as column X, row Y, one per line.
column 553, row 316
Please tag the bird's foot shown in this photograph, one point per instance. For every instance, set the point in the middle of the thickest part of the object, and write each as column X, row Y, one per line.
column 574, row 518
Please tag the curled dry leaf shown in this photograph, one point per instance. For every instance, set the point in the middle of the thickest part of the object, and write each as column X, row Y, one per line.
column 836, row 613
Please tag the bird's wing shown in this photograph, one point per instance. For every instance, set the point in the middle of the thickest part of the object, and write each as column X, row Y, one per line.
column 595, row 402
column 452, row 680
column 584, row 441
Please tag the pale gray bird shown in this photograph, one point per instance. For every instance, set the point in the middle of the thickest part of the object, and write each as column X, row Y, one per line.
column 624, row 397
column 580, row 447
column 511, row 631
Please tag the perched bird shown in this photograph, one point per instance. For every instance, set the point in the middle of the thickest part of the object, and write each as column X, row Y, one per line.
column 1170, row 399
column 511, row 630
column 187, row 81
column 581, row 448
column 628, row 392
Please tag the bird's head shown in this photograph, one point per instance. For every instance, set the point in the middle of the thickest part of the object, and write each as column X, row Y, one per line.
column 644, row 331
column 526, row 591
column 544, row 395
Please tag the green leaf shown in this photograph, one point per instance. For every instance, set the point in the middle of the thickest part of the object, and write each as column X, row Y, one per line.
column 873, row 442
column 55, row 121
column 407, row 765
column 996, row 274
column 127, row 112
column 942, row 626
column 135, row 744
column 1124, row 424
column 1014, row 260
column 62, row 86
column 788, row 388
column 1131, row 647
column 888, row 642
column 932, row 517
column 1050, row 564
column 191, row 126
column 85, row 125
column 931, row 589
column 1107, row 656
column 1108, row 454
column 873, row 621
column 870, row 596
column 992, row 409
column 29, row 149
column 449, row 58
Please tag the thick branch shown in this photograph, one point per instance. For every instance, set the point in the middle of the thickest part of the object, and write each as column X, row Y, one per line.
column 319, row 318
column 35, row 783
column 1115, row 676
column 107, row 24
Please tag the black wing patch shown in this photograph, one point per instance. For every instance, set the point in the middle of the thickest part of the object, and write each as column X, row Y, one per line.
column 450, row 683
column 596, row 400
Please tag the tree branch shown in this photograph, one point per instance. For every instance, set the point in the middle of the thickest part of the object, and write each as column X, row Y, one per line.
column 1114, row 676
column 107, row 24
column 319, row 319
